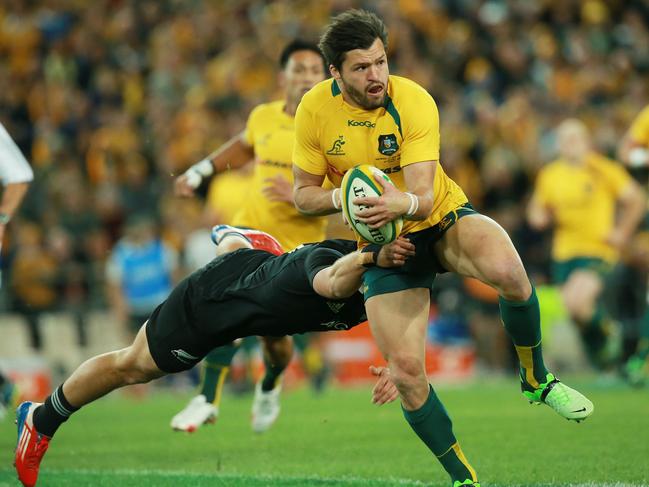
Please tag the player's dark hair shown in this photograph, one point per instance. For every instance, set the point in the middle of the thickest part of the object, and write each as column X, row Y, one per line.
column 353, row 29
column 299, row 45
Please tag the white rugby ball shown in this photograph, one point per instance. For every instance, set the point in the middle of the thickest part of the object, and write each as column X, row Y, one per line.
column 359, row 182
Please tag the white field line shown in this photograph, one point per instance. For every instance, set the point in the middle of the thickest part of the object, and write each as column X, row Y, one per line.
column 349, row 480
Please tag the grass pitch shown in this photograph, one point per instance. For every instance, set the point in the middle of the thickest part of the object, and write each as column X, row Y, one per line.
column 340, row 439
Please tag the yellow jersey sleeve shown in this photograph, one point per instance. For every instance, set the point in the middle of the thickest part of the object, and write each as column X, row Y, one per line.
column 542, row 188
column 639, row 130
column 307, row 153
column 420, row 119
column 251, row 125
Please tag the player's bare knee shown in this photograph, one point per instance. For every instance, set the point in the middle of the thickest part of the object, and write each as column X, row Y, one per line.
column 406, row 372
column 512, row 282
column 579, row 305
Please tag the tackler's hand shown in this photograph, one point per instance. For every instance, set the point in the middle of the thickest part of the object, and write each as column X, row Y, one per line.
column 384, row 390
column 395, row 253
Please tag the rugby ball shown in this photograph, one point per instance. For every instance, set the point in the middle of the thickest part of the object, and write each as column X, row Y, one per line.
column 359, row 182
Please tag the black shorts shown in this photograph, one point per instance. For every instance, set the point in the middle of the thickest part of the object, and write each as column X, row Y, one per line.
column 173, row 344
column 194, row 320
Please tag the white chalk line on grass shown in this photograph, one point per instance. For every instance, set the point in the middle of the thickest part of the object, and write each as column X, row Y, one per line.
column 232, row 475
column 350, row 480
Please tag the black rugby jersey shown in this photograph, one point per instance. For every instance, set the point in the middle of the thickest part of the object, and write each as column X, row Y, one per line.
column 252, row 292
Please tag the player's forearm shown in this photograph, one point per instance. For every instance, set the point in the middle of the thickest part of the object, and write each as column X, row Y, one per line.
column 633, row 154
column 12, row 196
column 538, row 217
column 419, row 179
column 316, row 201
column 632, row 211
column 345, row 275
column 233, row 154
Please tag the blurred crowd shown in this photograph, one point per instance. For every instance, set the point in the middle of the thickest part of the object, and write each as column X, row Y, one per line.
column 110, row 100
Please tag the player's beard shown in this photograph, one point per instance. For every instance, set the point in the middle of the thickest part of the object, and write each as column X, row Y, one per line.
column 361, row 98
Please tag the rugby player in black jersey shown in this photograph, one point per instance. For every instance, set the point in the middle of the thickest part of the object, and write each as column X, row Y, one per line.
column 241, row 293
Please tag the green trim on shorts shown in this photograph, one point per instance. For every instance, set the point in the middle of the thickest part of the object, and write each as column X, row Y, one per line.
column 420, row 270
column 562, row 269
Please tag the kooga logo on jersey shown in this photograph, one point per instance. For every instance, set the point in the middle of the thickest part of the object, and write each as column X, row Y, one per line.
column 361, row 123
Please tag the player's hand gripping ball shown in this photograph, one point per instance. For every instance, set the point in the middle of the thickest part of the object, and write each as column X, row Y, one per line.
column 360, row 182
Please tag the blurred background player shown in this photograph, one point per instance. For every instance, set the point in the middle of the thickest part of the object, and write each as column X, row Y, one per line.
column 593, row 206
column 634, row 152
column 268, row 206
column 16, row 175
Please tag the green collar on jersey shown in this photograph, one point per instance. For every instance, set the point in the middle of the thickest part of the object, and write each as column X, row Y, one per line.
column 389, row 105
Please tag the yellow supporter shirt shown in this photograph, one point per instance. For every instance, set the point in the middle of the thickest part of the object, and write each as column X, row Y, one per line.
column 582, row 200
column 271, row 133
column 640, row 127
column 332, row 137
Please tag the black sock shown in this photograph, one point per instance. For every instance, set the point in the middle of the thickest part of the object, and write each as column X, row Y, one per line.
column 55, row 411
column 272, row 376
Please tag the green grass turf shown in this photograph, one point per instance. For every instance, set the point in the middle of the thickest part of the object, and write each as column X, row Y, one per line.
column 340, row 439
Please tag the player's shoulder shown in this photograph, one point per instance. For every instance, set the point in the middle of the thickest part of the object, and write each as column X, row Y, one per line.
column 552, row 167
column 407, row 91
column 601, row 161
column 320, row 96
column 266, row 110
column 343, row 246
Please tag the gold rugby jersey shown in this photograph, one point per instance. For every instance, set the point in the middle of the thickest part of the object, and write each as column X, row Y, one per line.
column 640, row 128
column 271, row 133
column 332, row 136
column 582, row 200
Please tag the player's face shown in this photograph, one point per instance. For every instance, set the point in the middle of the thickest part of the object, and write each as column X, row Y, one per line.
column 303, row 71
column 573, row 140
column 363, row 77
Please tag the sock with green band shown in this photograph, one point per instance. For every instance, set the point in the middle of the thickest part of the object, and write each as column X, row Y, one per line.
column 593, row 332
column 522, row 320
column 433, row 426
column 215, row 369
